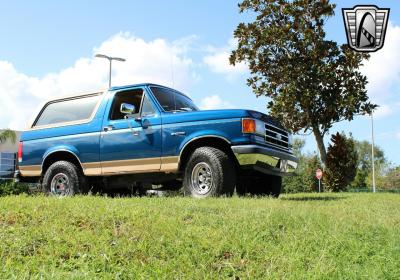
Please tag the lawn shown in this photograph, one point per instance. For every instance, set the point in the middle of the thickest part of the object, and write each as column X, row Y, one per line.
column 305, row 236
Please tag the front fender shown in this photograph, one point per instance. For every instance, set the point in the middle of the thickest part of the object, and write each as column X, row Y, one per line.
column 203, row 134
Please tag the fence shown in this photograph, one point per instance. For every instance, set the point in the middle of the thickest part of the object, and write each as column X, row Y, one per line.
column 7, row 166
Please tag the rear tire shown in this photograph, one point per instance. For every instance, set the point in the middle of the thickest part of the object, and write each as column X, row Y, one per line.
column 209, row 172
column 259, row 184
column 63, row 178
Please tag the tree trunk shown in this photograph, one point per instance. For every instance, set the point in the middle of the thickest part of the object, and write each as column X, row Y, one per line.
column 320, row 142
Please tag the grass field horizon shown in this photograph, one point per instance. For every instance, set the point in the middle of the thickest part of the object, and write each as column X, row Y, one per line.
column 301, row 236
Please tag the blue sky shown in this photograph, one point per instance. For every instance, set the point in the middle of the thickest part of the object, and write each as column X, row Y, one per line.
column 47, row 49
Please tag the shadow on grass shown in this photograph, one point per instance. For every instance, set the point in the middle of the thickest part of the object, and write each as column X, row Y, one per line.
column 314, row 198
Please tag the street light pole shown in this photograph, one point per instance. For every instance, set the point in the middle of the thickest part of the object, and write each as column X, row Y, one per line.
column 373, row 154
column 109, row 74
column 110, row 59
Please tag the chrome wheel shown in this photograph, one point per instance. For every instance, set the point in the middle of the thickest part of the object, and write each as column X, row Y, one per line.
column 202, row 180
column 60, row 185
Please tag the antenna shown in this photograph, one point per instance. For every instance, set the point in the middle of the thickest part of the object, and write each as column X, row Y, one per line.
column 173, row 82
column 172, row 70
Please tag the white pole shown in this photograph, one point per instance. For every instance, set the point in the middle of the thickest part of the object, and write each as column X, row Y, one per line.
column 373, row 154
column 110, row 59
column 109, row 75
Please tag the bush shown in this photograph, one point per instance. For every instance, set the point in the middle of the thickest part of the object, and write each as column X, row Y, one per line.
column 11, row 188
column 304, row 179
column 341, row 163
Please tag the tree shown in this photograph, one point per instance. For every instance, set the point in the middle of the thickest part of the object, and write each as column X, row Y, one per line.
column 364, row 163
column 341, row 162
column 311, row 82
column 7, row 134
column 392, row 179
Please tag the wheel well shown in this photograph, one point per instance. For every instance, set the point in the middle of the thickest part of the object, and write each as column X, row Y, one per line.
column 215, row 142
column 58, row 156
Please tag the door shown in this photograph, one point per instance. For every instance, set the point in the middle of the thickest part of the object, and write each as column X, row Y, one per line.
column 131, row 143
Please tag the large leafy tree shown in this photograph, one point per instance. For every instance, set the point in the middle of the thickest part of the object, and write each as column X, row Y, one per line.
column 312, row 82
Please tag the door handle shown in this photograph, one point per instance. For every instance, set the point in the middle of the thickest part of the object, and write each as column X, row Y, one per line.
column 178, row 133
column 108, row 128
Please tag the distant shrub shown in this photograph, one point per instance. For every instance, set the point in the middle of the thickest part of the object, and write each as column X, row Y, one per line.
column 304, row 178
column 341, row 163
column 11, row 188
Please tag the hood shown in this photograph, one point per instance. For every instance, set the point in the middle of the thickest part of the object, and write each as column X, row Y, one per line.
column 218, row 114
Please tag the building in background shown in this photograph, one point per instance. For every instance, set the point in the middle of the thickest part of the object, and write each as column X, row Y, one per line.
column 8, row 152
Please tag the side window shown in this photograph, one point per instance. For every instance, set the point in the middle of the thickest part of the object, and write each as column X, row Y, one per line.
column 68, row 110
column 133, row 97
column 147, row 107
column 173, row 101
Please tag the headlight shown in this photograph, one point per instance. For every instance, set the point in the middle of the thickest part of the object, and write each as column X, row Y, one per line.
column 260, row 127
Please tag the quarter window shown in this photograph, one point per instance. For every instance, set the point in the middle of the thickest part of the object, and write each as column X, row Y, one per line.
column 68, row 110
column 147, row 107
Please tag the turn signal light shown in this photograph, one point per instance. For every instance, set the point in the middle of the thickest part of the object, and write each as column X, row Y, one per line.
column 248, row 126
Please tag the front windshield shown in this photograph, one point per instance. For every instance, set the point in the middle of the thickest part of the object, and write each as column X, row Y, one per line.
column 173, row 101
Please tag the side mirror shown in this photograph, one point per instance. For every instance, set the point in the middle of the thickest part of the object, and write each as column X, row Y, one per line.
column 127, row 109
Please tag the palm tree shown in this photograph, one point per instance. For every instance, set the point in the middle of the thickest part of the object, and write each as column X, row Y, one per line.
column 7, row 134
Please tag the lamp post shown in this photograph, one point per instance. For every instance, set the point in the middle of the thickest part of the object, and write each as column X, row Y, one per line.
column 110, row 59
column 373, row 154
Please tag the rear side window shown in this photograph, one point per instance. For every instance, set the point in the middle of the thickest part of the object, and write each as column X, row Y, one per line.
column 68, row 110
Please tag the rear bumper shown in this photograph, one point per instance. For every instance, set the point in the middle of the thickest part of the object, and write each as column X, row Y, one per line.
column 18, row 178
column 265, row 160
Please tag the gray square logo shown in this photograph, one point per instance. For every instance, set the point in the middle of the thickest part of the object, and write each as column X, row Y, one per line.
column 365, row 27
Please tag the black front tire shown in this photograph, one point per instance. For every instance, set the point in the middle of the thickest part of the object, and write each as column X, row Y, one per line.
column 259, row 184
column 63, row 178
column 209, row 172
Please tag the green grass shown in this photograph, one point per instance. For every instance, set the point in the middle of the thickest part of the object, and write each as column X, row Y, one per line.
column 307, row 236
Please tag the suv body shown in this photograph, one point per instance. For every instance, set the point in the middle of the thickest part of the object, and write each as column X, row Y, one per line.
column 150, row 136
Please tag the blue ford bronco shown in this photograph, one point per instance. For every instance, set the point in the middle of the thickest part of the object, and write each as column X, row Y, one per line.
column 150, row 137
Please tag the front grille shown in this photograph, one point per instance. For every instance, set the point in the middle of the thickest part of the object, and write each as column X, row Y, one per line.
column 276, row 136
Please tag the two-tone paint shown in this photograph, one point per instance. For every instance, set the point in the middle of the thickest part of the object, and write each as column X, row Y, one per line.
column 106, row 147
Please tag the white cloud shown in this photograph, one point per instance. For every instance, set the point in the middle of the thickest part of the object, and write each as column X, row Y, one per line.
column 214, row 102
column 383, row 68
column 218, row 61
column 383, row 111
column 156, row 61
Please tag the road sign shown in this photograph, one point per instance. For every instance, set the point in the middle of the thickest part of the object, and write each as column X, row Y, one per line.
column 318, row 174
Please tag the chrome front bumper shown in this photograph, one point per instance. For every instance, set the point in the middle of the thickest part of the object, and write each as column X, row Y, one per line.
column 265, row 160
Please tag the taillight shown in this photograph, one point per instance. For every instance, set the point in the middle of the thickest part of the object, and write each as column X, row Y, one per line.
column 248, row 126
column 20, row 152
